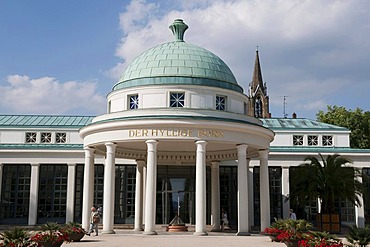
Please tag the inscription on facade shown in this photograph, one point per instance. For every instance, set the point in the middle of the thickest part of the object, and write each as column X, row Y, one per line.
column 210, row 133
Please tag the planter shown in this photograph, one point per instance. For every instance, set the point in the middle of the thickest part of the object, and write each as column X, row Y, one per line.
column 76, row 237
column 50, row 244
column 273, row 238
column 177, row 228
column 292, row 243
column 328, row 223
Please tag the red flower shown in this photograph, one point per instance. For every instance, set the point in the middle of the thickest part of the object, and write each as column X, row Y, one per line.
column 273, row 231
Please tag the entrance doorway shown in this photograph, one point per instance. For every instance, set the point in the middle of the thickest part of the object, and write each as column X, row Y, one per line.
column 176, row 200
column 175, row 194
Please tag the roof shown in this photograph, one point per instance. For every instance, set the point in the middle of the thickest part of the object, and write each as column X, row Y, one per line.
column 178, row 62
column 298, row 124
column 43, row 146
column 44, row 121
column 316, row 150
column 55, row 121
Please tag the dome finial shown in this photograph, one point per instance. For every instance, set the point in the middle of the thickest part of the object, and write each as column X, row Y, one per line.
column 178, row 28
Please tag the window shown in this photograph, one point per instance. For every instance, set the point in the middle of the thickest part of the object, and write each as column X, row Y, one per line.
column 31, row 137
column 45, row 137
column 258, row 108
column 221, row 103
column 177, row 99
column 298, row 140
column 60, row 137
column 312, row 140
column 134, row 101
column 327, row 140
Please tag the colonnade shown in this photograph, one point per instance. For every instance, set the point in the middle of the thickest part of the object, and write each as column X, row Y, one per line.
column 145, row 198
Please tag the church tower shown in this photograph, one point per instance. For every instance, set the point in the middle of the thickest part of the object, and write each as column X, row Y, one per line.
column 258, row 105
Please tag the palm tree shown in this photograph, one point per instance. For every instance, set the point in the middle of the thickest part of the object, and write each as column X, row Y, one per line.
column 329, row 180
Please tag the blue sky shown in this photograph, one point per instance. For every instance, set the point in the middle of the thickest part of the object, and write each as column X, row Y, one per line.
column 63, row 57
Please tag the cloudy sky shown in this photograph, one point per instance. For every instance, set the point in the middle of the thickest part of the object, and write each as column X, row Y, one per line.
column 63, row 57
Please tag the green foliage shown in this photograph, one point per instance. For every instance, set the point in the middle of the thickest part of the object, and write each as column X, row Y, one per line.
column 358, row 236
column 17, row 237
column 50, row 226
column 291, row 225
column 330, row 179
column 356, row 120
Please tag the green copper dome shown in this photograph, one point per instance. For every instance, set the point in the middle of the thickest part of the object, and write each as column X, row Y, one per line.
column 178, row 62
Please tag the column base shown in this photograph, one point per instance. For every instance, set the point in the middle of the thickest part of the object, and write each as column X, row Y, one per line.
column 140, row 229
column 108, row 232
column 150, row 233
column 200, row 234
column 242, row 234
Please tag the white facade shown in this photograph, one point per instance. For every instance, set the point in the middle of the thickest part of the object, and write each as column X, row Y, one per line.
column 177, row 117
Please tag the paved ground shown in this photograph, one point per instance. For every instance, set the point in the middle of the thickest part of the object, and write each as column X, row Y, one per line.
column 165, row 239
column 127, row 237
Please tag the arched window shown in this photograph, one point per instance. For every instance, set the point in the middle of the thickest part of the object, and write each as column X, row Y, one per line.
column 258, row 108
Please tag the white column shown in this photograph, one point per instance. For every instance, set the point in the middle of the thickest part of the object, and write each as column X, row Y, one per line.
column 285, row 190
column 144, row 189
column 360, row 210
column 34, row 194
column 264, row 189
column 250, row 195
column 215, row 196
column 200, row 189
column 139, row 196
column 108, row 196
column 243, row 205
column 71, row 181
column 88, row 190
column 151, row 188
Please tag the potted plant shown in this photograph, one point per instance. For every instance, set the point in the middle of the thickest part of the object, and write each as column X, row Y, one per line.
column 50, row 235
column 358, row 236
column 275, row 229
column 322, row 239
column 74, row 231
column 330, row 180
column 16, row 237
column 294, row 231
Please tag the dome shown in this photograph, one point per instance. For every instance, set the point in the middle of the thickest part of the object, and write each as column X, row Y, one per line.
column 178, row 62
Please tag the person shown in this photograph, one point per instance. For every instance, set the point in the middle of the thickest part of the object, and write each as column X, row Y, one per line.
column 94, row 221
column 292, row 216
column 225, row 220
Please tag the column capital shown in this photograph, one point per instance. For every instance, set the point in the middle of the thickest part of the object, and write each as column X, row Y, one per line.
column 35, row 164
column 140, row 163
column 201, row 142
column 110, row 147
column 215, row 164
column 263, row 153
column 152, row 145
column 201, row 145
column 110, row 144
column 89, row 151
column 242, row 148
column 89, row 148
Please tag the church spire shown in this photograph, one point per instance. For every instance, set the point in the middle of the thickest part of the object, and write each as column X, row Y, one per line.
column 257, row 74
column 258, row 98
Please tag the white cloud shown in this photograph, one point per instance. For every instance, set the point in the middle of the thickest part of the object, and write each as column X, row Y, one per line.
column 46, row 95
column 316, row 40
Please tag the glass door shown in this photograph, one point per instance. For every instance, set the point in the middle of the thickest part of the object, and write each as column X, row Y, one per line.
column 177, row 200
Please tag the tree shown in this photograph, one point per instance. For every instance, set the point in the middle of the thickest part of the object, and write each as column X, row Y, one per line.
column 330, row 180
column 357, row 121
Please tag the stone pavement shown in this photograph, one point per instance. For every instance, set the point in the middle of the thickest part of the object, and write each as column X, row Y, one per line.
column 128, row 237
